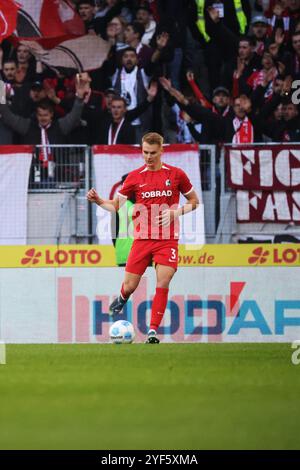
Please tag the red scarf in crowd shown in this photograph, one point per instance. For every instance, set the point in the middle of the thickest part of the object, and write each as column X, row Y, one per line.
column 244, row 132
column 45, row 154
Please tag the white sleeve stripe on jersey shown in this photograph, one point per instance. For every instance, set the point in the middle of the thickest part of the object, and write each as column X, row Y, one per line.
column 185, row 194
column 121, row 195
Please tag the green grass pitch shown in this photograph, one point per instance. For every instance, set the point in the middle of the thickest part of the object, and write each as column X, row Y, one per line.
column 167, row 396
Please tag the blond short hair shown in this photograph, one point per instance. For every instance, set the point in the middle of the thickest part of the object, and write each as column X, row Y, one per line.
column 152, row 138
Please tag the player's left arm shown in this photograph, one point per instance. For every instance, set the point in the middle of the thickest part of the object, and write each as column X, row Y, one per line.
column 191, row 204
column 169, row 215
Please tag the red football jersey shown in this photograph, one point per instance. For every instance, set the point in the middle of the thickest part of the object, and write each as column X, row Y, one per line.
column 153, row 192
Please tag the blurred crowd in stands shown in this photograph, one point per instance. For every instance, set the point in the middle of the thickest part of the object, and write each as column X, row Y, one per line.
column 194, row 70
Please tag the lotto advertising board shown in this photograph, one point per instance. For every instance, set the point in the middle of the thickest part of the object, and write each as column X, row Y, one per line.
column 279, row 255
column 220, row 304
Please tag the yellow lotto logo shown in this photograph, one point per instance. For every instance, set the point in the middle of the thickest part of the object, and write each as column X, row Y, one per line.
column 52, row 256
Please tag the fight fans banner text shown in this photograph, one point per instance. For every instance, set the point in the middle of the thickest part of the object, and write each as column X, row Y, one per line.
column 113, row 163
column 15, row 162
column 267, row 182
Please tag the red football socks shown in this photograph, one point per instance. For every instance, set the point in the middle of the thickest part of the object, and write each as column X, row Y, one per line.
column 158, row 307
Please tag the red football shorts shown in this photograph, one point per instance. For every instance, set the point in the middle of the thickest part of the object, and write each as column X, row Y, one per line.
column 143, row 252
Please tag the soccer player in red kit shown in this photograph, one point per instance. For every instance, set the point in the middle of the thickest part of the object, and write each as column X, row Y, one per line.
column 156, row 188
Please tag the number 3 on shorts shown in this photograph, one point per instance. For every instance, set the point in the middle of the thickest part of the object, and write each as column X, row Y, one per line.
column 173, row 253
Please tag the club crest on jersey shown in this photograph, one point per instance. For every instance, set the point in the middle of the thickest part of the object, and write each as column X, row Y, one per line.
column 168, row 183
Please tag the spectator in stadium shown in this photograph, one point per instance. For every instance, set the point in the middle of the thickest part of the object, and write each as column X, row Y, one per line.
column 286, row 129
column 109, row 94
column 235, row 15
column 97, row 23
column 277, row 47
column 220, row 97
column 6, row 134
column 131, row 82
column 26, row 66
column 257, row 77
column 24, row 103
column 174, row 21
column 293, row 59
column 115, row 33
column 219, row 25
column 221, row 101
column 61, row 89
column 241, row 127
column 133, row 36
column 261, row 63
column 8, row 71
column 272, row 121
column 265, row 90
column 86, row 10
column 259, row 26
column 124, row 7
column 278, row 16
column 248, row 62
column 163, row 51
column 118, row 128
column 188, row 128
column 144, row 16
column 44, row 129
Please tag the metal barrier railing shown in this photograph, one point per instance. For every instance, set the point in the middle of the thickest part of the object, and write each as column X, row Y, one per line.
column 210, row 186
column 67, row 167
column 57, row 208
column 70, row 214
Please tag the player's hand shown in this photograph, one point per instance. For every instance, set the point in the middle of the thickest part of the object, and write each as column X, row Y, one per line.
column 166, row 217
column 93, row 196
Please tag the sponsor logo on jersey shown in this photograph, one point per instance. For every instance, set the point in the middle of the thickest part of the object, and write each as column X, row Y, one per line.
column 168, row 183
column 147, row 194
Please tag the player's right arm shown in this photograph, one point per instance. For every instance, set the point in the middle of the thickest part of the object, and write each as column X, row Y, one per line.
column 111, row 205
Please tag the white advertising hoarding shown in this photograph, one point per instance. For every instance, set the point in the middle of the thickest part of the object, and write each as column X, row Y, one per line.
column 68, row 305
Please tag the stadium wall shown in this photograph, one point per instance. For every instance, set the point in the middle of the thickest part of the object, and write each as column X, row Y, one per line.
column 220, row 293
